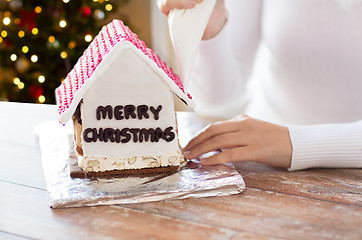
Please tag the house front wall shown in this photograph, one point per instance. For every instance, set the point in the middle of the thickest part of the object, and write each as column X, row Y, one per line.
column 128, row 117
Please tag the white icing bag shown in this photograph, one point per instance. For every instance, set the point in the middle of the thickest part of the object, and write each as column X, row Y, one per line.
column 186, row 29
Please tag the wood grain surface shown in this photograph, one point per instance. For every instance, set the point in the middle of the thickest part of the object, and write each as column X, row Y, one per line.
column 277, row 204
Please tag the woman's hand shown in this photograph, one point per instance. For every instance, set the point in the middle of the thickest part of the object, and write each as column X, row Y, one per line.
column 242, row 139
column 167, row 5
column 217, row 20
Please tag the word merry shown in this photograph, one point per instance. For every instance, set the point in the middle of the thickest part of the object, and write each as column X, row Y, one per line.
column 120, row 112
column 127, row 134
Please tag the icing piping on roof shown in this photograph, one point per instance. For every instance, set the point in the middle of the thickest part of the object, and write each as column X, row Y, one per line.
column 107, row 38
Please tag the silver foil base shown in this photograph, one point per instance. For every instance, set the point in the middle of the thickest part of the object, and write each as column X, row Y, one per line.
column 192, row 181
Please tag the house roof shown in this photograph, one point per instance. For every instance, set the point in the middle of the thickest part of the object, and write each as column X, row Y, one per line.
column 68, row 92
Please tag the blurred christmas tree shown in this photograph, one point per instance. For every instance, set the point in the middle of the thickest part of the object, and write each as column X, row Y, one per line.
column 41, row 40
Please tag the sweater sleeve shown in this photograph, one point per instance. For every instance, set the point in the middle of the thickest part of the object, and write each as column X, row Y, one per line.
column 224, row 64
column 326, row 145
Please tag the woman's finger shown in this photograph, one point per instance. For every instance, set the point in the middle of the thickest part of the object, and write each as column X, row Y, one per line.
column 230, row 155
column 211, row 131
column 222, row 141
column 167, row 5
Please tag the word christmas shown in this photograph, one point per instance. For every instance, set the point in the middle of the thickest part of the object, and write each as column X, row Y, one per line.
column 125, row 135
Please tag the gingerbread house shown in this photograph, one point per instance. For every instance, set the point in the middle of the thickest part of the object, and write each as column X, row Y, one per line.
column 121, row 97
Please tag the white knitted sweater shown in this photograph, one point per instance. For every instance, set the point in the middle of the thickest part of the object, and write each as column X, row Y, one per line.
column 307, row 74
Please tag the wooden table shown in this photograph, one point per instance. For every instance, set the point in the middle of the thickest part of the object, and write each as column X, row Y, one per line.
column 310, row 204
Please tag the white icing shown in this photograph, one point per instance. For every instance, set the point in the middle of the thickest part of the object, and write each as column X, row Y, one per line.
column 127, row 78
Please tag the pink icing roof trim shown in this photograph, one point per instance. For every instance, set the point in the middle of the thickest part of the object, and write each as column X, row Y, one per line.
column 107, row 38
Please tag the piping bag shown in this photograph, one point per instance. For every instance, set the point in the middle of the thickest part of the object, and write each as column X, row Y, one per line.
column 186, row 28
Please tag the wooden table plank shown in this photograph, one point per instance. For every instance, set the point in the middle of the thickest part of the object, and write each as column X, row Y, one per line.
column 310, row 204
column 266, row 213
column 20, row 155
column 29, row 216
column 337, row 185
column 21, row 165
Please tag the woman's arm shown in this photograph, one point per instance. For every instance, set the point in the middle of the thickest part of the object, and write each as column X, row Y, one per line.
column 337, row 145
column 296, row 147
